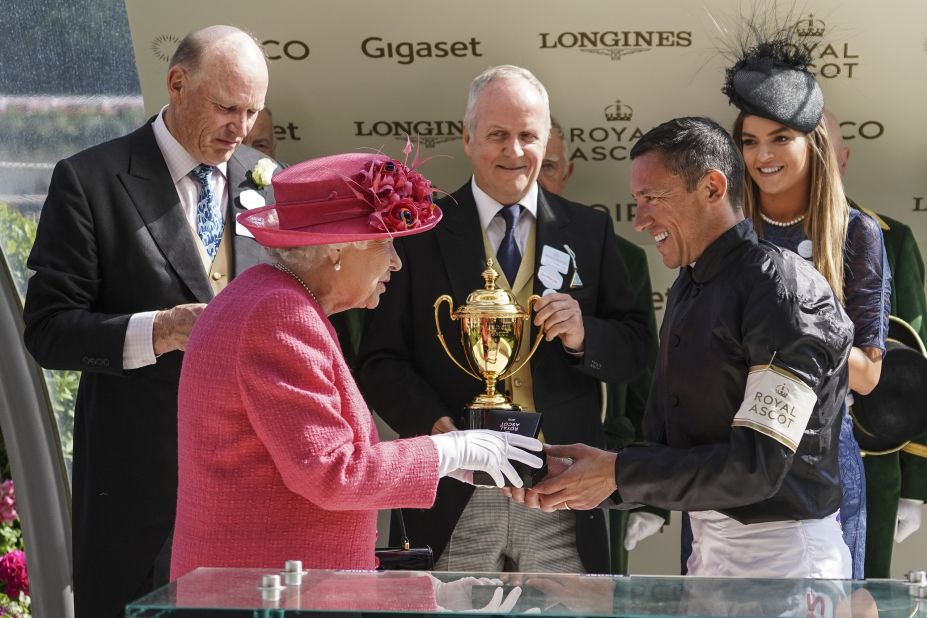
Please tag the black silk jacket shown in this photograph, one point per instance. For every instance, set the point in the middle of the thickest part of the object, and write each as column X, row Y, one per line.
column 744, row 301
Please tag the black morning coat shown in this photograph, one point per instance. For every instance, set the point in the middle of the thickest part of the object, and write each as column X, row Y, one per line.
column 113, row 240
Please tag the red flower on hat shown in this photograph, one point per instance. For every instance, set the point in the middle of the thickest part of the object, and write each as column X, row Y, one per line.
column 399, row 196
column 404, row 215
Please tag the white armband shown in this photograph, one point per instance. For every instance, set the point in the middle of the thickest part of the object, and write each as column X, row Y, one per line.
column 776, row 404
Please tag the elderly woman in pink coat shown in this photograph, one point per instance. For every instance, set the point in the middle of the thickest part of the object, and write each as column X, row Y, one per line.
column 278, row 454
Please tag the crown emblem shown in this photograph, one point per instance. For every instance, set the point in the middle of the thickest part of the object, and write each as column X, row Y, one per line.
column 810, row 26
column 618, row 111
column 782, row 390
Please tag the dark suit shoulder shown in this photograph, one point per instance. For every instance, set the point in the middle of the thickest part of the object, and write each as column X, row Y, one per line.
column 248, row 156
column 463, row 194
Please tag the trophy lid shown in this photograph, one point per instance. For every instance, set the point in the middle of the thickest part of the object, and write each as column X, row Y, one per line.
column 490, row 300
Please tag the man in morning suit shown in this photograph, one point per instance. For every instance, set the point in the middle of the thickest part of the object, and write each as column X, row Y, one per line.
column 593, row 332
column 135, row 237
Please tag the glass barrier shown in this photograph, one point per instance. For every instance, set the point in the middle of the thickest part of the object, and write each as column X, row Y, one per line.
column 246, row 592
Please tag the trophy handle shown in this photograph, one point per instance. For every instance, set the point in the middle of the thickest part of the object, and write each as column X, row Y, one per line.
column 537, row 341
column 450, row 307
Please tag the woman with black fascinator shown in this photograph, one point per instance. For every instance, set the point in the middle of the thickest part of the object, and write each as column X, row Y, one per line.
column 794, row 195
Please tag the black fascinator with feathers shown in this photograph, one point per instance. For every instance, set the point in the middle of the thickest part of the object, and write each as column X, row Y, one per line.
column 770, row 77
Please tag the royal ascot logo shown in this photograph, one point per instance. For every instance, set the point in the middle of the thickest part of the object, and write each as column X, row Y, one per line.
column 163, row 46
column 616, row 44
column 810, row 27
column 606, row 142
column 618, row 112
column 428, row 133
column 407, row 52
column 828, row 60
column 782, row 390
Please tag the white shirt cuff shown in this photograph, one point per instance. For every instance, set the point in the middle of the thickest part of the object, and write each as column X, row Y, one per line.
column 138, row 349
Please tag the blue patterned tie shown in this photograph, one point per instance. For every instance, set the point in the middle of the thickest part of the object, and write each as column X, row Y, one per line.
column 508, row 254
column 208, row 215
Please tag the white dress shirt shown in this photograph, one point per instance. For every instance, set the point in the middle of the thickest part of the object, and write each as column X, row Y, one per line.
column 494, row 226
column 138, row 347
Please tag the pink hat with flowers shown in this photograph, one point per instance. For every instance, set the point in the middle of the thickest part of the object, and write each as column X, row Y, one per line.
column 344, row 198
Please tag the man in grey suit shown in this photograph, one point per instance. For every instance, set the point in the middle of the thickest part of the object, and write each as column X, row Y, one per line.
column 135, row 237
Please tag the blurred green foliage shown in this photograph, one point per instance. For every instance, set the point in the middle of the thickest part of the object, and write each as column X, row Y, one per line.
column 17, row 234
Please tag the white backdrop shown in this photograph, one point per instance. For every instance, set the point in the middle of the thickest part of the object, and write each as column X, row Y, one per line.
column 358, row 73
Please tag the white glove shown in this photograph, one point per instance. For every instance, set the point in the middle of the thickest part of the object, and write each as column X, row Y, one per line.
column 909, row 518
column 641, row 525
column 486, row 451
column 457, row 595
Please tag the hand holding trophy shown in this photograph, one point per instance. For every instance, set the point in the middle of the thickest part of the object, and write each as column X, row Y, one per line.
column 492, row 325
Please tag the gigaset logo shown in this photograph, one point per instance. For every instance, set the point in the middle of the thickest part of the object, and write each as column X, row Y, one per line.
column 407, row 52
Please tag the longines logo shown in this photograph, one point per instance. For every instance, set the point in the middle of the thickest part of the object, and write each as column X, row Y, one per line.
column 163, row 46
column 810, row 27
column 616, row 44
column 618, row 112
column 407, row 52
column 429, row 133
column 830, row 60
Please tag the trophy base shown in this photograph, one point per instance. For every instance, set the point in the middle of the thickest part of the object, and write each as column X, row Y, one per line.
column 494, row 402
column 512, row 419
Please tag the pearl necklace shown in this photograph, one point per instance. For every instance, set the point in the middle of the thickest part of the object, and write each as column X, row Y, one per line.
column 283, row 268
column 782, row 223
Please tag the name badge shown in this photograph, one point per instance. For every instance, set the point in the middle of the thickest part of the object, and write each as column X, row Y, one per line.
column 558, row 260
column 549, row 277
column 776, row 404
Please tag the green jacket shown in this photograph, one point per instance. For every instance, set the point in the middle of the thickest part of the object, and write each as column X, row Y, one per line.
column 909, row 303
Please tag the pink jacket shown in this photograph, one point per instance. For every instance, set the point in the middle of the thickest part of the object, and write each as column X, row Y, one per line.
column 279, row 458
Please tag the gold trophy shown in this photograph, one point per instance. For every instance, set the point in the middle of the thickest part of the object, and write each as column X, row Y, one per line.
column 492, row 324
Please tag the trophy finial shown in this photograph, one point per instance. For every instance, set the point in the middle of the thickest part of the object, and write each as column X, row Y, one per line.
column 490, row 275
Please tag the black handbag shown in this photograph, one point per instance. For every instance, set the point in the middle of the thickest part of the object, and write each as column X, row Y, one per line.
column 405, row 558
